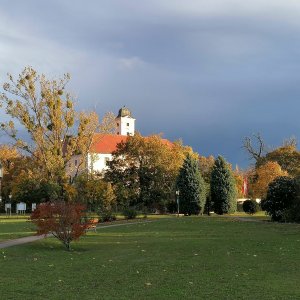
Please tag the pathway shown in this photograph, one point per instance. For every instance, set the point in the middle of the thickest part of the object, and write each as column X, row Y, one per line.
column 30, row 239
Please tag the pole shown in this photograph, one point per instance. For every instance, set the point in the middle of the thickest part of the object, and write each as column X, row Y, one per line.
column 177, row 196
column 10, row 196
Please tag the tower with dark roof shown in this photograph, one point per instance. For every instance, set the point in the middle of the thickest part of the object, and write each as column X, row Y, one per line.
column 125, row 122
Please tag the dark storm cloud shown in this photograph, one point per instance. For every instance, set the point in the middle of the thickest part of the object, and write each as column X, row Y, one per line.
column 208, row 72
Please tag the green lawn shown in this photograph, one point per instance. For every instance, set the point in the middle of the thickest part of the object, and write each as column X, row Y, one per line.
column 15, row 227
column 174, row 258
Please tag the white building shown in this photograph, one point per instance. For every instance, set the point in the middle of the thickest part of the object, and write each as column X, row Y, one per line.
column 104, row 144
column 125, row 122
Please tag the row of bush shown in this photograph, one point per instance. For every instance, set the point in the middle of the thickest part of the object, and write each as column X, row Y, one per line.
column 108, row 215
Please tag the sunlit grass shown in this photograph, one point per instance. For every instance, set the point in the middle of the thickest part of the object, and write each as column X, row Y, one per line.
column 175, row 258
column 15, row 227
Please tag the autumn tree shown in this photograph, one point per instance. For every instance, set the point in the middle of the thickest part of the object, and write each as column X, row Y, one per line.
column 144, row 169
column 8, row 157
column 239, row 182
column 16, row 167
column 56, row 131
column 191, row 186
column 223, row 189
column 66, row 221
column 288, row 157
column 97, row 194
column 262, row 176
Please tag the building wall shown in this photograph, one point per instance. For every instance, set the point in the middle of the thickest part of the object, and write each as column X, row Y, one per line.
column 93, row 163
column 98, row 162
column 73, row 165
column 125, row 126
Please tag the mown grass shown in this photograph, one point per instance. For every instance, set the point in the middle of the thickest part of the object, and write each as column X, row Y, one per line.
column 15, row 227
column 175, row 258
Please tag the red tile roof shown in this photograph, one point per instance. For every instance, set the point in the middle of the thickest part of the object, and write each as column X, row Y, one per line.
column 107, row 143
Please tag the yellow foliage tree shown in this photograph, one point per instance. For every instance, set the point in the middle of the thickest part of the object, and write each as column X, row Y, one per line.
column 8, row 155
column 147, row 175
column 56, row 130
column 262, row 177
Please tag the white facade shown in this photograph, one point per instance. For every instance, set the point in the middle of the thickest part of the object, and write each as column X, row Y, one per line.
column 98, row 162
column 125, row 125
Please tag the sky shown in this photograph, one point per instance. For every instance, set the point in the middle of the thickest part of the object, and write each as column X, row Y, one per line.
column 208, row 72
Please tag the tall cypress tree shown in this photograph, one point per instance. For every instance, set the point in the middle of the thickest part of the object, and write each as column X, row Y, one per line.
column 223, row 190
column 191, row 187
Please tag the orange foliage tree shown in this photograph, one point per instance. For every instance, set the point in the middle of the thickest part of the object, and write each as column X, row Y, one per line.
column 262, row 177
column 64, row 220
column 239, row 183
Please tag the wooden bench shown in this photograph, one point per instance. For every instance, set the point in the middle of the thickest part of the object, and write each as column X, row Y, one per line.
column 93, row 224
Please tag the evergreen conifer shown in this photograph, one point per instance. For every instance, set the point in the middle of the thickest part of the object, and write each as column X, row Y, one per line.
column 191, row 186
column 223, row 190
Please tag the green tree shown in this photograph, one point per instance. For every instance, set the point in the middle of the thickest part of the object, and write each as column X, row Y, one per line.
column 143, row 171
column 206, row 166
column 31, row 190
column 191, row 185
column 223, row 190
column 281, row 195
column 97, row 194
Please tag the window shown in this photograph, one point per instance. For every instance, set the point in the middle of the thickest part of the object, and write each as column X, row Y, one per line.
column 127, row 124
column 117, row 124
column 128, row 133
column 106, row 160
column 118, row 132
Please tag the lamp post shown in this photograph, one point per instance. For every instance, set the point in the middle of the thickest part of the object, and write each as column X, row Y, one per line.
column 1, row 176
column 177, row 199
column 10, row 196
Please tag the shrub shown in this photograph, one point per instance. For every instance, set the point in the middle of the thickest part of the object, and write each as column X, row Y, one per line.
column 292, row 214
column 250, row 207
column 130, row 213
column 65, row 221
column 107, row 216
column 281, row 196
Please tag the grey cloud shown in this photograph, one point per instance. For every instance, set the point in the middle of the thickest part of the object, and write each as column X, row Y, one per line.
column 210, row 72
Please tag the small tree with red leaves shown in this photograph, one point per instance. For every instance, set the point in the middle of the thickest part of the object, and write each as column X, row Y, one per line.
column 65, row 221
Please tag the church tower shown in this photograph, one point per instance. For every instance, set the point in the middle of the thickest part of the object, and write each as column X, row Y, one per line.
column 125, row 122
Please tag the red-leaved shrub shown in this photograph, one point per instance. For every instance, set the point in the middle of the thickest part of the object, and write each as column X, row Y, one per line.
column 65, row 221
